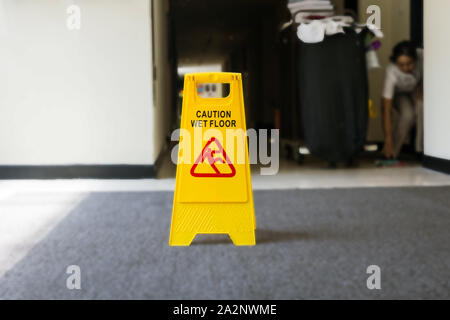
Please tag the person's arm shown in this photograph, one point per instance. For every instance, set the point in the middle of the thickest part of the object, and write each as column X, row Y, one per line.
column 419, row 92
column 386, row 103
column 388, row 149
column 418, row 96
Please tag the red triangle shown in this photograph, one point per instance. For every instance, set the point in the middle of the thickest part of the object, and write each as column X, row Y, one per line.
column 209, row 156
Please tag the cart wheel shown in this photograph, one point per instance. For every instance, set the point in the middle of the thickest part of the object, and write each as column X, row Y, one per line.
column 351, row 163
column 288, row 151
column 300, row 159
column 332, row 165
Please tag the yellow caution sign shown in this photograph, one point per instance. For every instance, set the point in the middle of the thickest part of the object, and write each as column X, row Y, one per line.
column 213, row 193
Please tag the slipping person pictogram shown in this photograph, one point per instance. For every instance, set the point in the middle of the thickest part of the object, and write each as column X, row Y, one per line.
column 209, row 153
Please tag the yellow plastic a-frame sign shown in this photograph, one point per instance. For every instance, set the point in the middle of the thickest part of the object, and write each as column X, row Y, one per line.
column 213, row 193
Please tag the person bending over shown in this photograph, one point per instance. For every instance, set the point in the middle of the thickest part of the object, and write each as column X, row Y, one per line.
column 403, row 92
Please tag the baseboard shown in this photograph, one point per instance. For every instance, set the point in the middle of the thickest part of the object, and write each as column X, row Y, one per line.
column 436, row 164
column 78, row 172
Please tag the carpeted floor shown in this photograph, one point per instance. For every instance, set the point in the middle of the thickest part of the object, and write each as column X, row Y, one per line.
column 310, row 244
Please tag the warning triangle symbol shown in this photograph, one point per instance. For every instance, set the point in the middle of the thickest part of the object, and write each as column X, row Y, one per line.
column 213, row 161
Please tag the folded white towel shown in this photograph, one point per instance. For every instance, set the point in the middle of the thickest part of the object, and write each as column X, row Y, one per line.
column 313, row 32
column 333, row 27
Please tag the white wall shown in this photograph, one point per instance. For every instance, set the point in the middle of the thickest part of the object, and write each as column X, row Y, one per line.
column 75, row 97
column 436, row 78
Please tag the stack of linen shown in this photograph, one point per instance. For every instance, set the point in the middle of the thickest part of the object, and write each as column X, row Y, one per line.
column 305, row 5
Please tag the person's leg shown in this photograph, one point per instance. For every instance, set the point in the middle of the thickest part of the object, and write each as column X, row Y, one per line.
column 419, row 134
column 406, row 119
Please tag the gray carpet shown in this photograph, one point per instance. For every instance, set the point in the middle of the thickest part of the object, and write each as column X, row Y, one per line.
column 311, row 244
